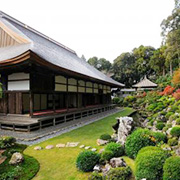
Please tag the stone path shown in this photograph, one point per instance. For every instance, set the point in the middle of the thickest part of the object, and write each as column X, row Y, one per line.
column 53, row 131
column 67, row 145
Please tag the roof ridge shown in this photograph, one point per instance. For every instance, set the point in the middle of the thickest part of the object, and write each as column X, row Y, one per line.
column 2, row 14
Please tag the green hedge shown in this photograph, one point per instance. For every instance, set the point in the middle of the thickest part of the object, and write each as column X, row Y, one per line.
column 175, row 131
column 116, row 148
column 86, row 160
column 137, row 140
column 149, row 163
column 172, row 169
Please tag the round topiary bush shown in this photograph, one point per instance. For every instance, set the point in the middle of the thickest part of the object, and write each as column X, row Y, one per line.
column 95, row 176
column 160, row 125
column 149, row 163
column 86, row 160
column 178, row 121
column 116, row 148
column 175, row 131
column 120, row 173
column 106, row 155
column 138, row 139
column 172, row 169
column 105, row 137
column 160, row 137
column 7, row 141
column 173, row 141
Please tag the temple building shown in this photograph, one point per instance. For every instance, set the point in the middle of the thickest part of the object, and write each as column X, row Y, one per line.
column 44, row 82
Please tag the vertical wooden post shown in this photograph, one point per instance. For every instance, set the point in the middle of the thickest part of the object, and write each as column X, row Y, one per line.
column 31, row 97
column 54, row 102
column 67, row 94
column 77, row 96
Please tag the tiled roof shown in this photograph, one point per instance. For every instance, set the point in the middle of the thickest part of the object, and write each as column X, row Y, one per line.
column 145, row 83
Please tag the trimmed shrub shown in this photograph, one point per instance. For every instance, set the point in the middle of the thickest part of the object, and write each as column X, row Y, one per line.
column 149, row 148
column 86, row 160
column 116, row 100
column 116, row 148
column 149, row 163
column 120, row 173
column 160, row 137
column 105, row 137
column 175, row 131
column 6, row 141
column 168, row 115
column 172, row 169
column 95, row 176
column 173, row 141
column 178, row 121
column 138, row 139
column 106, row 155
column 160, row 125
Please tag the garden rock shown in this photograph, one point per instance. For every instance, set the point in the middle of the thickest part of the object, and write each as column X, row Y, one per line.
column 16, row 158
column 125, row 128
column 97, row 168
column 106, row 169
column 38, row 148
column 117, row 162
column 82, row 146
column 101, row 142
column 177, row 151
column 72, row 144
column 60, row 145
column 49, row 147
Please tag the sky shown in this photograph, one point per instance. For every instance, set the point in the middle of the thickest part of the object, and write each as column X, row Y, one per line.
column 102, row 28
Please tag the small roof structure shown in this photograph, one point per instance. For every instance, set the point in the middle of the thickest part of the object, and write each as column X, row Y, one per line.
column 19, row 41
column 145, row 83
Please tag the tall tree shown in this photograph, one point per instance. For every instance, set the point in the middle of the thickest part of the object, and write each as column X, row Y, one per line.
column 93, row 61
column 124, row 69
column 143, row 55
column 157, row 61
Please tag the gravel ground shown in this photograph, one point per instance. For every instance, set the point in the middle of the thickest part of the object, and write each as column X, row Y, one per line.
column 30, row 138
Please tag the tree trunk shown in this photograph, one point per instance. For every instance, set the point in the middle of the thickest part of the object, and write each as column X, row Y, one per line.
column 163, row 73
column 171, row 71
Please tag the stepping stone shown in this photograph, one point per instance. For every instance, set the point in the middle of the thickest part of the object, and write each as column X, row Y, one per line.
column 82, row 146
column 49, row 147
column 93, row 149
column 38, row 148
column 72, row 144
column 60, row 145
column 101, row 150
column 87, row 147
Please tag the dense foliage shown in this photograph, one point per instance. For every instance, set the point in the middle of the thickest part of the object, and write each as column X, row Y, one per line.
column 120, row 173
column 115, row 148
column 149, row 163
column 175, row 131
column 86, row 160
column 105, row 137
column 95, row 176
column 137, row 140
column 24, row 171
column 172, row 169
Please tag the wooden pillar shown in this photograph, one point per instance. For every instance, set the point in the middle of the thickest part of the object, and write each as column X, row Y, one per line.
column 31, row 97
column 77, row 96
column 54, row 102
column 67, row 94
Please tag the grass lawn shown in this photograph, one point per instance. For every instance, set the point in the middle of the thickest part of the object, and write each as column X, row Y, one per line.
column 60, row 164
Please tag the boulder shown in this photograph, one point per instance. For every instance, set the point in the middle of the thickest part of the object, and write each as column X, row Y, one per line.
column 117, row 162
column 16, row 158
column 101, row 142
column 125, row 128
column 177, row 151
column 101, row 150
